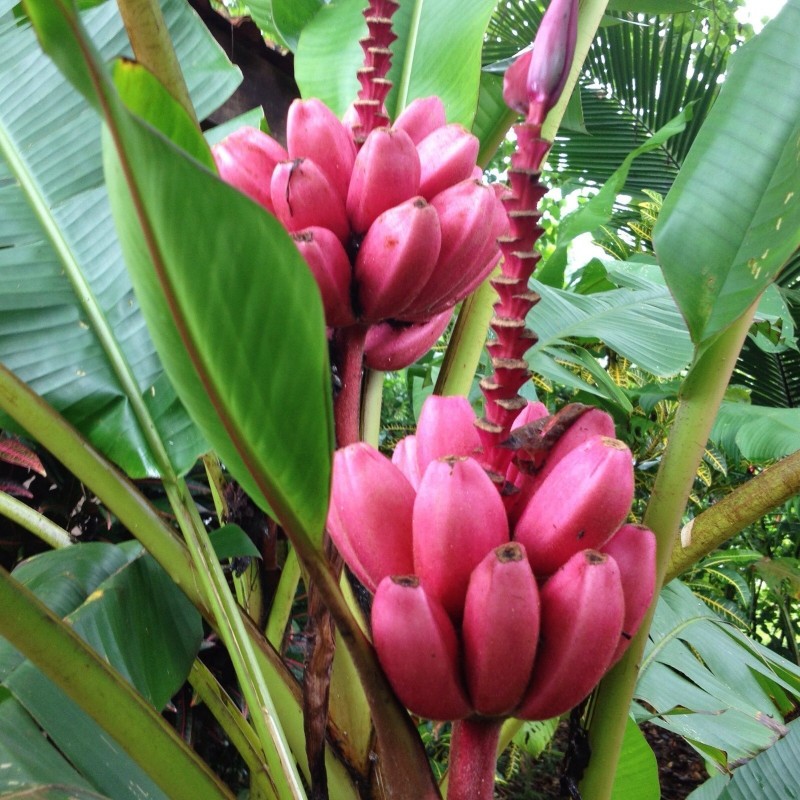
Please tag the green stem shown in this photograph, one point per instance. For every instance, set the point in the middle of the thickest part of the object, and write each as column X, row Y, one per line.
column 33, row 522
column 462, row 356
column 371, row 406
column 237, row 729
column 742, row 507
column 701, row 395
column 152, row 46
column 103, row 694
column 466, row 343
column 263, row 714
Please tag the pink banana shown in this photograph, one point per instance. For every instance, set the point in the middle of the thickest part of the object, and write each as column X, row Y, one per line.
column 314, row 131
column 582, row 608
column 385, row 174
column 447, row 156
column 580, row 504
column 303, row 197
column 421, row 117
column 633, row 547
column 394, row 345
column 396, row 258
column 418, row 649
column 458, row 517
column 500, row 630
column 330, row 266
column 370, row 514
column 446, row 427
column 246, row 159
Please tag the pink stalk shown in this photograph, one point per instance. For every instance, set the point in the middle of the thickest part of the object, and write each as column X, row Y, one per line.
column 348, row 355
column 473, row 756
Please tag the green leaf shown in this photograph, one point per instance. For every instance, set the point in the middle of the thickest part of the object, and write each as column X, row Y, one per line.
column 732, row 218
column 637, row 773
column 69, row 324
column 599, row 209
column 229, row 302
column 772, row 775
column 63, row 582
column 709, row 682
column 759, row 433
column 28, row 759
column 640, row 323
column 437, row 52
column 652, row 6
column 140, row 622
column 291, row 16
column 230, row 541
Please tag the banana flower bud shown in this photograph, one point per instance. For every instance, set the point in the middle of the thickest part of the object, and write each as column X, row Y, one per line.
column 534, row 82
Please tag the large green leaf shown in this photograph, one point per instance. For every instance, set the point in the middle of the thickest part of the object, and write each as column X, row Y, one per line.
column 732, row 218
column 229, row 301
column 637, row 773
column 599, row 209
column 28, row 759
column 138, row 620
column 438, row 51
column 640, row 322
column 758, row 433
column 69, row 324
column 63, row 583
column 710, row 683
column 771, row 775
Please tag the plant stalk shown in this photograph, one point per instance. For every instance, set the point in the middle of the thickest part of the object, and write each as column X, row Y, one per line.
column 742, row 507
column 33, row 522
column 473, row 756
column 152, row 47
column 701, row 395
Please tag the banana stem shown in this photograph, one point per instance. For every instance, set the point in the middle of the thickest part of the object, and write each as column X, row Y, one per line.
column 701, row 396
column 473, row 756
column 743, row 506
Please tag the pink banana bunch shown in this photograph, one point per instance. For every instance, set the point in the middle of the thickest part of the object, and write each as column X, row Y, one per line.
column 396, row 232
column 483, row 606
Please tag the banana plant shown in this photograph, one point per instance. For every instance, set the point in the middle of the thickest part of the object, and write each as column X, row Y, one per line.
column 186, row 298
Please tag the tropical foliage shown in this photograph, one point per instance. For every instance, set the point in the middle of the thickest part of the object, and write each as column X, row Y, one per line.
column 165, row 372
